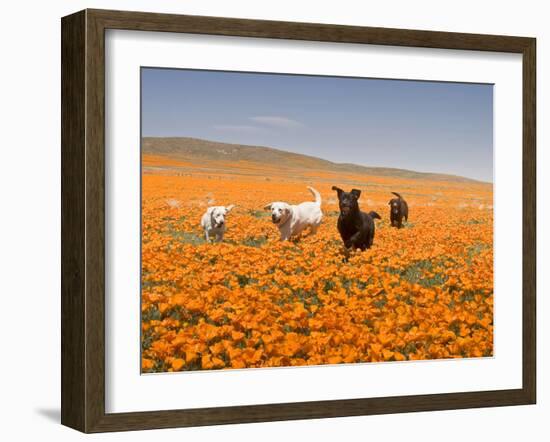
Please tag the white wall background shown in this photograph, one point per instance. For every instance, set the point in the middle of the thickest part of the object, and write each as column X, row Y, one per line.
column 30, row 216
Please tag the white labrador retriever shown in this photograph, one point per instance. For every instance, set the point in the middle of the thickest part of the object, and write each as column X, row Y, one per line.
column 213, row 222
column 293, row 219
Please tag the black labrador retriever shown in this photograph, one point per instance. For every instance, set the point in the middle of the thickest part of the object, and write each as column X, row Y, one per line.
column 399, row 209
column 356, row 228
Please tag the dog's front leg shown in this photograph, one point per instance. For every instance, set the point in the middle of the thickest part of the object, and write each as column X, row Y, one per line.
column 353, row 240
column 347, row 253
column 207, row 236
column 285, row 233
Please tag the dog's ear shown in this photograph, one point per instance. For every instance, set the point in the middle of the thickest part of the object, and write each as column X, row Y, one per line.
column 268, row 207
column 229, row 208
column 338, row 190
column 356, row 193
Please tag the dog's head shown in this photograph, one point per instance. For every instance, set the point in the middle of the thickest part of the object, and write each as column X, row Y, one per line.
column 280, row 212
column 348, row 201
column 394, row 206
column 217, row 215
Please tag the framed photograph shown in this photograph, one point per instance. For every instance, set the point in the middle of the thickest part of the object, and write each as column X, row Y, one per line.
column 267, row 221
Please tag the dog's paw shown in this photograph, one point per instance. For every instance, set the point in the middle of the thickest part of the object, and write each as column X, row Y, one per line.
column 347, row 253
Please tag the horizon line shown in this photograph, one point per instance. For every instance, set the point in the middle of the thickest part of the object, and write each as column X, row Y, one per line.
column 325, row 159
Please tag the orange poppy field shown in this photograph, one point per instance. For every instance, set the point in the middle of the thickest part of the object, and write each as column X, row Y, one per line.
column 421, row 292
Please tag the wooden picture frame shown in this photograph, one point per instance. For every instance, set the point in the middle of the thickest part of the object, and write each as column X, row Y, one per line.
column 83, row 220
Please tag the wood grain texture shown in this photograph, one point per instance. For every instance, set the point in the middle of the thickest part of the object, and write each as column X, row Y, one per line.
column 307, row 410
column 83, row 220
column 95, row 221
column 144, row 21
column 73, row 128
column 529, row 221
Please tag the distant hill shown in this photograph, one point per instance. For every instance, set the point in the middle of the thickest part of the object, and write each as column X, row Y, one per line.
column 190, row 149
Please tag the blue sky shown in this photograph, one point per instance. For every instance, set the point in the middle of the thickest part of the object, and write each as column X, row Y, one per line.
column 418, row 125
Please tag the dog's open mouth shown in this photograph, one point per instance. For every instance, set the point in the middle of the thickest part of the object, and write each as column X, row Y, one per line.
column 345, row 210
column 275, row 220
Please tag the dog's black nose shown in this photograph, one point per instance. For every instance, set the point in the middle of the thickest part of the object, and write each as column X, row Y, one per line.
column 273, row 218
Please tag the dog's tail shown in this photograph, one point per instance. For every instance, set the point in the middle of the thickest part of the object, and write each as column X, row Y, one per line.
column 316, row 194
column 397, row 195
column 373, row 214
